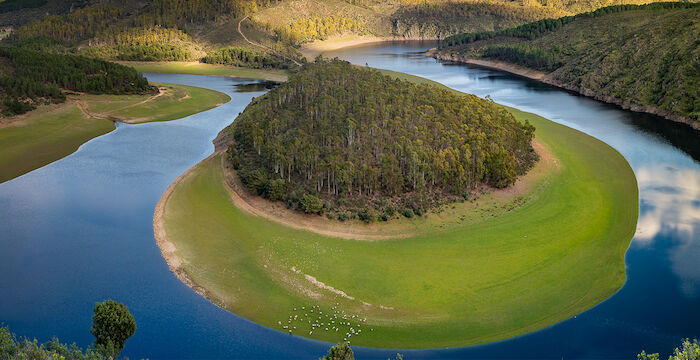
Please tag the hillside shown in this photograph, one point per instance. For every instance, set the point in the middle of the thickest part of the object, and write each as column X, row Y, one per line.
column 182, row 30
column 337, row 137
column 31, row 78
column 646, row 58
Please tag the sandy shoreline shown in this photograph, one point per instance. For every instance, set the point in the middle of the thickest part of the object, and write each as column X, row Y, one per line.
column 313, row 49
column 544, row 78
column 167, row 248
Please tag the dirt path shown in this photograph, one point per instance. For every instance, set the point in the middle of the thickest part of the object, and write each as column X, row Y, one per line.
column 261, row 45
column 277, row 212
column 82, row 105
column 258, row 206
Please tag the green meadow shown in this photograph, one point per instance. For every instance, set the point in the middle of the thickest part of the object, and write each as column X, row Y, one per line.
column 52, row 132
column 498, row 275
column 195, row 68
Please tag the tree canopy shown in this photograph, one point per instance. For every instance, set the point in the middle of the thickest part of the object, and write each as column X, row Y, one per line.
column 112, row 325
column 33, row 77
column 340, row 132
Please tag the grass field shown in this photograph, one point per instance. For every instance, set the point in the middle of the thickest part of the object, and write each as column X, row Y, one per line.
column 554, row 256
column 52, row 132
column 196, row 68
column 174, row 102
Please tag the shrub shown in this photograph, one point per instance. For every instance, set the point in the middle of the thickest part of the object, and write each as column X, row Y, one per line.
column 389, row 210
column 311, row 204
column 407, row 213
column 254, row 180
column 366, row 214
column 274, row 190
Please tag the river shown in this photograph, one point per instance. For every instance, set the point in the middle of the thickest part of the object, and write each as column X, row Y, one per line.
column 79, row 230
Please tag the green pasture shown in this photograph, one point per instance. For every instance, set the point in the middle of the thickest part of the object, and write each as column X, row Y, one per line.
column 53, row 132
column 555, row 255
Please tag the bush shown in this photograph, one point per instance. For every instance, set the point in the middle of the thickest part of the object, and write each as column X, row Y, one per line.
column 254, row 180
column 342, row 216
column 407, row 213
column 274, row 190
column 367, row 215
column 311, row 204
column 389, row 210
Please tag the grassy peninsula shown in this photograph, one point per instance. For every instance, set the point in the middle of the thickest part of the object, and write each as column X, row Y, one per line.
column 640, row 57
column 542, row 257
column 51, row 104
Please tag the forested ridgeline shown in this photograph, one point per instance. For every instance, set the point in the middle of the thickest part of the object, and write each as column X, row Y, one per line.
column 647, row 55
column 296, row 19
column 32, row 78
column 441, row 19
column 351, row 141
column 538, row 28
column 131, row 30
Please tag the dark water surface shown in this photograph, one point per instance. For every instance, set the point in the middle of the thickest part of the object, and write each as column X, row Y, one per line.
column 79, row 231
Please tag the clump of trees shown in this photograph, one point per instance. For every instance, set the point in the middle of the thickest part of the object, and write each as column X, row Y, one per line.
column 238, row 56
column 343, row 351
column 354, row 143
column 112, row 325
column 38, row 78
column 532, row 57
column 689, row 350
column 315, row 27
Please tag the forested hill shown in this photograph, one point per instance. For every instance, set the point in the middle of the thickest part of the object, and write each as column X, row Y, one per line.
column 189, row 30
column 31, row 78
column 352, row 136
column 644, row 57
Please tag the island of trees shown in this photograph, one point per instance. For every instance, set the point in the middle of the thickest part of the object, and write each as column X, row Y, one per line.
column 351, row 142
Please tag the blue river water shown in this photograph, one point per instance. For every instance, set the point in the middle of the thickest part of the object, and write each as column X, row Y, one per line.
column 79, row 230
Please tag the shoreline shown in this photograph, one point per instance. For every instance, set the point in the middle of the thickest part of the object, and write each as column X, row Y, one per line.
column 313, row 49
column 167, row 248
column 543, row 78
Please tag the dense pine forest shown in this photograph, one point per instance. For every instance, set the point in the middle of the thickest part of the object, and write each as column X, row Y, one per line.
column 238, row 56
column 646, row 54
column 29, row 78
column 337, row 137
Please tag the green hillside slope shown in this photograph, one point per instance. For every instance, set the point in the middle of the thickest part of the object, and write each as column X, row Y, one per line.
column 646, row 58
column 187, row 30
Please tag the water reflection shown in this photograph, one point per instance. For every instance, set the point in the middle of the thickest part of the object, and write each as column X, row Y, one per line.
column 255, row 86
column 669, row 198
